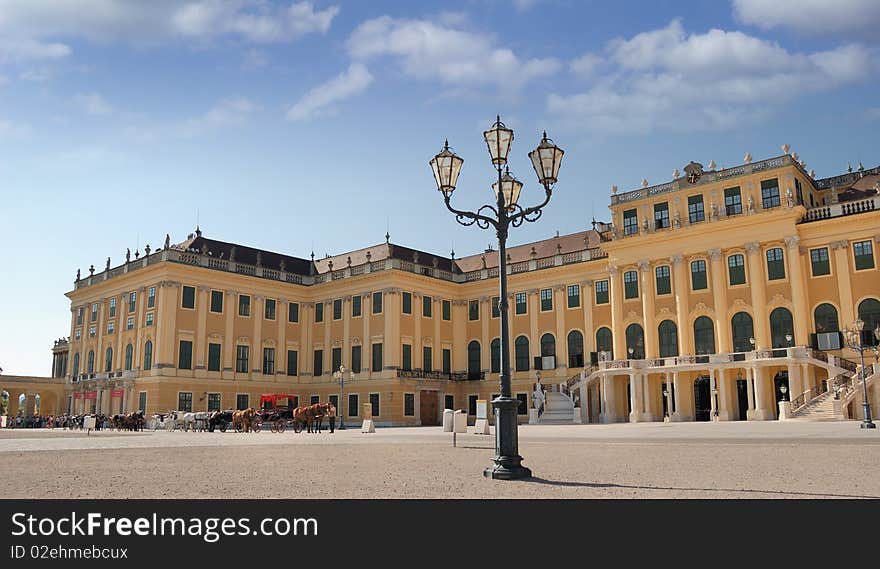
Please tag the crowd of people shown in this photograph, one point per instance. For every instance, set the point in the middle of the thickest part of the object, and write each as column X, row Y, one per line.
column 64, row 421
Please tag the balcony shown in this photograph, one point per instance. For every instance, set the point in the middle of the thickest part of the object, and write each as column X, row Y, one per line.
column 842, row 209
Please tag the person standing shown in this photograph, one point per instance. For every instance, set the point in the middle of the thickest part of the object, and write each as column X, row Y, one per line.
column 332, row 417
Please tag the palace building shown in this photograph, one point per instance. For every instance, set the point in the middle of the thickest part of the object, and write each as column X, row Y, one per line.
column 710, row 297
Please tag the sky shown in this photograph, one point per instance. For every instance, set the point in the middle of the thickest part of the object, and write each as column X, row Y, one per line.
column 308, row 126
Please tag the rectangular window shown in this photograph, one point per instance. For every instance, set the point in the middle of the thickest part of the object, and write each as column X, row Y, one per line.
column 241, row 359
column 355, row 359
column 473, row 310
column 149, row 318
column 132, row 300
column 151, row 297
column 574, row 296
column 337, row 309
column 406, row 358
column 736, row 269
column 494, row 303
column 427, row 358
column 142, row 401
column 775, row 264
column 184, row 359
column 819, row 262
column 863, row 251
column 217, row 301
column 242, row 401
column 446, row 309
column 129, row 323
column 546, row 299
column 94, row 312
column 427, row 305
column 269, row 309
column 77, row 335
column 601, row 292
column 353, row 410
column 185, row 401
column 244, row 305
column 111, row 327
column 661, row 215
column 630, row 222
column 213, row 402
column 91, row 331
column 318, row 363
column 374, row 403
column 293, row 312
column 446, row 354
column 356, row 306
column 698, row 275
column 377, row 303
column 449, row 401
column 770, row 193
column 472, row 405
column 335, row 359
column 319, row 311
column 113, row 307
column 409, row 404
column 732, row 201
column 406, row 302
column 630, row 284
column 695, row 209
column 664, row 283
column 377, row 357
column 214, row 357
column 314, row 399
column 269, row 361
column 292, row 362
column 189, row 297
column 520, row 302
column 79, row 316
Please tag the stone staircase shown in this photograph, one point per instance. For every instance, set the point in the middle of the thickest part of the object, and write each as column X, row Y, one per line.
column 558, row 410
column 819, row 409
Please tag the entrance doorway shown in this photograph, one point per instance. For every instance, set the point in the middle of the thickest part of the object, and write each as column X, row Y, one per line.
column 702, row 401
column 428, row 408
column 742, row 398
column 780, row 380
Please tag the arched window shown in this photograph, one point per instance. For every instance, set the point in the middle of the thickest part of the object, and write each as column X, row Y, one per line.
column 635, row 341
column 743, row 330
column 668, row 334
column 108, row 363
column 869, row 313
column 75, row 365
column 575, row 349
column 91, row 362
column 604, row 341
column 548, row 349
column 704, row 336
column 826, row 318
column 781, row 324
column 521, row 351
column 473, row 358
column 129, row 354
column 148, row 355
column 495, row 352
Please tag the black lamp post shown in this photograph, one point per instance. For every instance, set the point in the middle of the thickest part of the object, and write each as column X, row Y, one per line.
column 505, row 212
column 853, row 336
column 339, row 376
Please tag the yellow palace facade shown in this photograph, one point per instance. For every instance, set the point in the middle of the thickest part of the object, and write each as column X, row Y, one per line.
column 710, row 297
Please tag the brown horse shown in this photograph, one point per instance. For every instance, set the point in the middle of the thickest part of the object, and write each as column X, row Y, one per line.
column 244, row 420
column 312, row 416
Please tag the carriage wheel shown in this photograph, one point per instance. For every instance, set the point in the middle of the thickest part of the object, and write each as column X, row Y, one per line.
column 273, row 426
column 223, row 426
column 257, row 426
column 280, row 426
column 297, row 426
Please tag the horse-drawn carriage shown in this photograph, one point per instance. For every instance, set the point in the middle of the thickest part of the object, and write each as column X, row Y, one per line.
column 278, row 411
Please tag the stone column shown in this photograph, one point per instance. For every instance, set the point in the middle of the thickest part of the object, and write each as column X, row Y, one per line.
column 801, row 313
column 750, row 387
column 669, row 401
column 616, row 292
column 806, row 381
column 725, row 413
column 676, row 416
column 844, row 283
column 682, row 309
column 648, row 311
column 647, row 415
column 719, row 296
column 757, row 286
column 713, row 386
column 633, row 398
column 607, row 413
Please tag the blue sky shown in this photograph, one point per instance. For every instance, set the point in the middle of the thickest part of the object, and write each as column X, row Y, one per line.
column 295, row 126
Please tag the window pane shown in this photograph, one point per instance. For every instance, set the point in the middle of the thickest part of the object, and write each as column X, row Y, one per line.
column 698, row 275
column 407, row 302
column 319, row 311
column 356, row 305
column 355, row 359
column 546, row 299
column 318, row 361
column 377, row 357
column 819, row 262
column 427, row 305
column 770, row 193
column 214, row 357
column 775, row 264
column 377, row 303
column 736, row 269
column 661, row 215
column 864, row 255
column 664, row 285
column 732, row 201
column 216, row 301
column 521, row 305
column 631, row 284
column 695, row 209
column 447, row 309
column 293, row 312
column 244, row 305
column 337, row 309
column 574, row 296
column 601, row 292
column 185, row 355
column 474, row 310
column 292, row 362
column 270, row 309
column 630, row 222
column 189, row 297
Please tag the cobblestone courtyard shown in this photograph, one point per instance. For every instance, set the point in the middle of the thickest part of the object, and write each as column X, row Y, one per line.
column 649, row 460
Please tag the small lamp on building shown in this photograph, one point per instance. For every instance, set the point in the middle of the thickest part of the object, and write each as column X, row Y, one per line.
column 783, row 389
column 752, row 342
column 715, row 396
column 665, row 407
column 788, row 339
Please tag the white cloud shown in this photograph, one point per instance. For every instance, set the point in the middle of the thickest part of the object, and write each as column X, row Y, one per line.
column 668, row 79
column 430, row 51
column 226, row 113
column 10, row 130
column 822, row 17
column 93, row 104
column 316, row 102
column 586, row 65
column 30, row 28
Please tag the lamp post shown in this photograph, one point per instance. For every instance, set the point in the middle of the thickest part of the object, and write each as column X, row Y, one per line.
column 788, row 339
column 853, row 337
column 501, row 215
column 339, row 376
column 783, row 389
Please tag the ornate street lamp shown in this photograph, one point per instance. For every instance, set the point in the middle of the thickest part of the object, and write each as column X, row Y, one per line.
column 783, row 390
column 339, row 376
column 853, row 337
column 501, row 215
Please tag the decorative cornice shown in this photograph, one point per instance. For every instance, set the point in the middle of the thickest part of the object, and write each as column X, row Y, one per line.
column 644, row 265
column 613, row 270
column 715, row 254
column 752, row 247
column 792, row 241
column 839, row 245
column 676, row 259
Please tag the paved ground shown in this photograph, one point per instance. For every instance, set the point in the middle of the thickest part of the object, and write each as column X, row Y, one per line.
column 649, row 460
